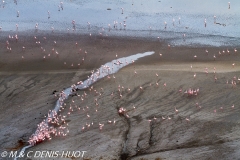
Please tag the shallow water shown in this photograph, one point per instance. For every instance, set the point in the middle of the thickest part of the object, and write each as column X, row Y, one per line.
column 142, row 19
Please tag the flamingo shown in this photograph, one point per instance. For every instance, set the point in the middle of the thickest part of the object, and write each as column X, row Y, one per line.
column 52, row 29
column 235, row 50
column 36, row 26
column 61, row 4
column 16, row 27
column 194, row 76
column 165, row 84
column 221, row 108
column 180, row 90
column 206, row 51
column 124, row 26
column 135, row 72
column 228, row 51
column 122, row 10
column 176, row 111
column 215, row 78
column 48, row 14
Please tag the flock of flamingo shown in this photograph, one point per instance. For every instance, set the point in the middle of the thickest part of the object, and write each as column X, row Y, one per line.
column 55, row 123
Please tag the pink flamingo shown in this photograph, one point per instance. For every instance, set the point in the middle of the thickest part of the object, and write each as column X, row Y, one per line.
column 206, row 51
column 176, row 111
column 165, row 23
column 235, row 50
column 180, row 90
column 165, row 85
column 48, row 14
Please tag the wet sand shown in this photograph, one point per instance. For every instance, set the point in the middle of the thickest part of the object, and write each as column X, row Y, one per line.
column 27, row 86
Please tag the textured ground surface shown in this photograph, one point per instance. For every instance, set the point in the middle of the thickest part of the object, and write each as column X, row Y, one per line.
column 151, row 128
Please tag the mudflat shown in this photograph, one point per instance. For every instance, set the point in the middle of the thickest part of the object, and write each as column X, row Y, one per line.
column 160, row 120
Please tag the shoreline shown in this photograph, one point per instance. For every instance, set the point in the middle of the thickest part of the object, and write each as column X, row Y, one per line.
column 95, row 48
column 175, row 38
